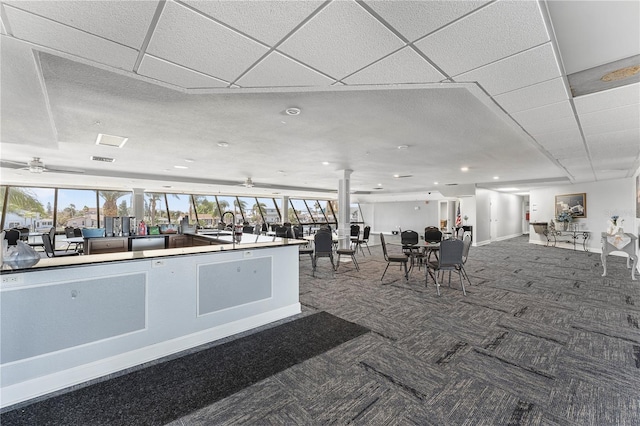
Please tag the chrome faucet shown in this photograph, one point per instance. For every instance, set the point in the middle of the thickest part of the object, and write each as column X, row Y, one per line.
column 233, row 227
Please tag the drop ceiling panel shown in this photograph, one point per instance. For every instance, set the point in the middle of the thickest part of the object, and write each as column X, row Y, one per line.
column 630, row 124
column 404, row 66
column 44, row 32
column 534, row 96
column 515, row 72
column 545, row 113
column 414, row 19
column 479, row 38
column 613, row 116
column 174, row 74
column 184, row 36
column 553, row 140
column 24, row 112
column 278, row 70
column 551, row 125
column 125, row 22
column 630, row 138
column 268, row 21
column 614, row 98
column 341, row 39
column 564, row 152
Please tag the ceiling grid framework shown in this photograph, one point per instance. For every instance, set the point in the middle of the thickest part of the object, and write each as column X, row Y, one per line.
column 218, row 54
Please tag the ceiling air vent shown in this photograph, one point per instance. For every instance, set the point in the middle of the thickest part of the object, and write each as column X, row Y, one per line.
column 110, row 140
column 103, row 159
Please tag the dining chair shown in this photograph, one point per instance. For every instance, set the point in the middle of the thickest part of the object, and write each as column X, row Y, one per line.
column 354, row 234
column 465, row 255
column 409, row 240
column 323, row 247
column 12, row 236
column 450, row 259
column 364, row 240
column 393, row 258
column 69, row 232
column 49, row 250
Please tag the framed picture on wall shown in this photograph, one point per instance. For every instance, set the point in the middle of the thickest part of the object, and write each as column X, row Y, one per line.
column 576, row 204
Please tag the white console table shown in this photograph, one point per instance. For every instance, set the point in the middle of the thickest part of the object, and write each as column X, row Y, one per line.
column 629, row 248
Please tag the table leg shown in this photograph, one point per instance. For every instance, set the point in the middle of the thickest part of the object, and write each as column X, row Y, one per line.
column 603, row 258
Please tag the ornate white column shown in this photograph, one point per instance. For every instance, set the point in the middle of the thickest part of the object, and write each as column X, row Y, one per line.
column 344, row 208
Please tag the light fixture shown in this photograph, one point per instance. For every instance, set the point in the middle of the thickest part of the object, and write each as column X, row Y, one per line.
column 223, row 144
column 496, row 177
column 379, row 184
column 293, row 111
column 36, row 166
column 189, row 160
column 435, row 183
column 464, row 169
column 325, row 163
column 110, row 140
column 180, row 167
column 403, row 146
column 396, row 176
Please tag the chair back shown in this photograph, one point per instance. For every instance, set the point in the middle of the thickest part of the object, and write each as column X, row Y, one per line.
column 450, row 253
column 77, row 232
column 12, row 236
column 384, row 247
column 298, row 233
column 24, row 233
column 365, row 233
column 68, row 232
column 465, row 248
column 48, row 245
column 355, row 231
column 247, row 229
column 409, row 238
column 432, row 234
column 265, row 228
column 323, row 242
column 281, row 231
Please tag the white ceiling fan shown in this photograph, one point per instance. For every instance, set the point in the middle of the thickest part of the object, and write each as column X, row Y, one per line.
column 36, row 165
column 248, row 183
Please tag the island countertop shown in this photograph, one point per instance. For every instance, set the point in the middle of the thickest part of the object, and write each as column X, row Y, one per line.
column 249, row 242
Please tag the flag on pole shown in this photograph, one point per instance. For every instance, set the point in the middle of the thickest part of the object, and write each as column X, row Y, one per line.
column 458, row 218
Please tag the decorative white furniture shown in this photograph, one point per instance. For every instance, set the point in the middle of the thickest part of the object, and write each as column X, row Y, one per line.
column 620, row 242
column 554, row 236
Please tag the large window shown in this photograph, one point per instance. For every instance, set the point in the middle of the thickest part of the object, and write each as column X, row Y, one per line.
column 30, row 207
column 180, row 206
column 77, row 208
column 114, row 203
column 155, row 209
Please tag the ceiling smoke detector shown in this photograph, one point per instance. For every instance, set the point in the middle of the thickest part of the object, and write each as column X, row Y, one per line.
column 293, row 111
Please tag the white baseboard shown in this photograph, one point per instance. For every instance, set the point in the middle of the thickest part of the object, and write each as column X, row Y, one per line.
column 29, row 389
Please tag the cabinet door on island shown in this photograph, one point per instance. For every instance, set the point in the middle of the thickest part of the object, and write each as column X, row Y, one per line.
column 106, row 245
column 179, row 241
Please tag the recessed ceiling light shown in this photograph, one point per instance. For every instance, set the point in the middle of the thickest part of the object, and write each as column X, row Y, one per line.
column 109, row 140
column 435, row 183
column 403, row 146
column 325, row 163
column 464, row 169
column 223, row 144
column 180, row 167
column 496, row 177
column 379, row 184
column 293, row 111
column 396, row 176
column 509, row 189
column 189, row 160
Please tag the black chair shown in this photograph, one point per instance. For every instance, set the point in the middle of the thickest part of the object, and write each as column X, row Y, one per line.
column 393, row 258
column 450, row 260
column 49, row 250
column 12, row 236
column 409, row 240
column 265, row 228
column 351, row 251
column 364, row 240
column 247, row 229
column 432, row 234
column 323, row 247
column 281, row 231
column 24, row 233
column 354, row 234
column 69, row 232
column 298, row 232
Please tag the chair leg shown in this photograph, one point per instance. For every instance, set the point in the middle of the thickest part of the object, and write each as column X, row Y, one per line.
column 462, row 283
column 338, row 263
column 368, row 248
column 385, row 270
column 406, row 271
column 355, row 262
column 435, row 279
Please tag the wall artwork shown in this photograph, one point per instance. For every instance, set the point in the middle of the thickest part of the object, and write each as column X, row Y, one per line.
column 576, row 204
column 638, row 196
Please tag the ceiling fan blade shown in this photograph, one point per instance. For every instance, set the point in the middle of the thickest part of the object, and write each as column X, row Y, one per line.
column 8, row 164
column 53, row 169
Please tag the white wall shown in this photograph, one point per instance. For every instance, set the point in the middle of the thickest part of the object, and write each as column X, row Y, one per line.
column 604, row 199
column 387, row 217
column 508, row 211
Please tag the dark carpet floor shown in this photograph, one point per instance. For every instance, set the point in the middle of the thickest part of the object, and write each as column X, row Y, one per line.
column 169, row 390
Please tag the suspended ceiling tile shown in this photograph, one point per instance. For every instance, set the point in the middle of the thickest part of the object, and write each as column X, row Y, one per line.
column 620, row 96
column 611, row 174
column 267, row 21
column 629, row 137
column 550, row 112
column 534, row 96
column 414, row 19
column 521, row 70
column 24, row 114
column 174, row 74
column 341, row 39
column 623, row 125
column 602, row 160
column 566, row 151
column 44, row 32
column 125, row 22
column 404, row 66
column 612, row 117
column 551, row 125
column 564, row 138
column 187, row 38
column 479, row 38
column 277, row 70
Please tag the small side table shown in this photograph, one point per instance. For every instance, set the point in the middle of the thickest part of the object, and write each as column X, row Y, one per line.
column 629, row 249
